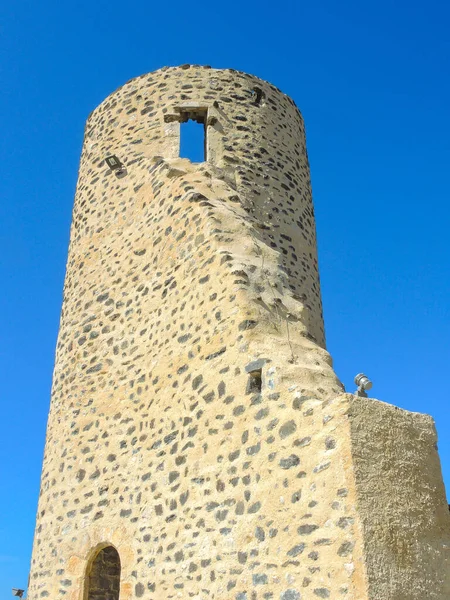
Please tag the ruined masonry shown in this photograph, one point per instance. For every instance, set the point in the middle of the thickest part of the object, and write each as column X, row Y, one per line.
column 199, row 445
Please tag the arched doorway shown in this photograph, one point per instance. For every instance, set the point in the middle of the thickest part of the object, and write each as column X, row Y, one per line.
column 103, row 575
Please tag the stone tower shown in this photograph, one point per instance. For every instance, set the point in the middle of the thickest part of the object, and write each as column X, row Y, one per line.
column 199, row 444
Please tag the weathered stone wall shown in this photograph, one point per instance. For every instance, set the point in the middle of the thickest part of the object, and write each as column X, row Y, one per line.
column 185, row 284
column 401, row 502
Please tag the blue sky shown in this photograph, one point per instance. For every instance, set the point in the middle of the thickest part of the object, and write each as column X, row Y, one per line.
column 371, row 79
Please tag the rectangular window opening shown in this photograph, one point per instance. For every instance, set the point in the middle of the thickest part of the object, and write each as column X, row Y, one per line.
column 193, row 136
column 254, row 383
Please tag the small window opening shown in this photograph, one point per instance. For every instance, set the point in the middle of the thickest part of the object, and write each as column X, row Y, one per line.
column 193, row 136
column 257, row 95
column 254, row 383
column 103, row 576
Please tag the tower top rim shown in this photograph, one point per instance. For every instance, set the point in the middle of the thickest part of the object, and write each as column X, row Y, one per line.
column 187, row 67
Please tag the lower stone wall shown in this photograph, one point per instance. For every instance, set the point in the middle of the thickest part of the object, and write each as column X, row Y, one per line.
column 401, row 502
column 267, row 512
column 302, row 499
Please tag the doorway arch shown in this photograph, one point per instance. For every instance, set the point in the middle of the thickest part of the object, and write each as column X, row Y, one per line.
column 103, row 575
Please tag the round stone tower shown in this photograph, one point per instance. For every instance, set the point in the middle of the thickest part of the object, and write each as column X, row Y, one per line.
column 187, row 447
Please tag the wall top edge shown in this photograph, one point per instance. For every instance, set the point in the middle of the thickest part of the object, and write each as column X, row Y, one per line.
column 186, row 68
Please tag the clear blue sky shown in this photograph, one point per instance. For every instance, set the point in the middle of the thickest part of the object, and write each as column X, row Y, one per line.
column 372, row 81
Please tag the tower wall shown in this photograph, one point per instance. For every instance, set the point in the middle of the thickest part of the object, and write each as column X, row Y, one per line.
column 255, row 145
column 196, row 423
